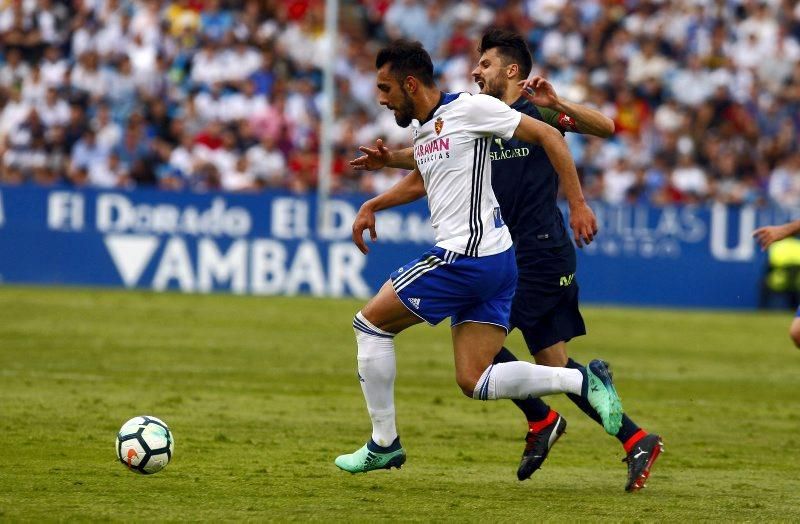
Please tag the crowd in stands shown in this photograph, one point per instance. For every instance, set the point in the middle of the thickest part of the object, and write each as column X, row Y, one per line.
column 210, row 94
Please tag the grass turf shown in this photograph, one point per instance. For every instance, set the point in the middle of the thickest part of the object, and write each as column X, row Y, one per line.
column 262, row 394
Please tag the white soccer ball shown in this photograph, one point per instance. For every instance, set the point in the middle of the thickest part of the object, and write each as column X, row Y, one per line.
column 145, row 445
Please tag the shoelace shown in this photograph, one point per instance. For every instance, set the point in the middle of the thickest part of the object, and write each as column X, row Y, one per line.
column 631, row 464
column 532, row 440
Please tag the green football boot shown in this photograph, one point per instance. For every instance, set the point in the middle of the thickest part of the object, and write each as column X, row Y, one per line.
column 371, row 456
column 603, row 397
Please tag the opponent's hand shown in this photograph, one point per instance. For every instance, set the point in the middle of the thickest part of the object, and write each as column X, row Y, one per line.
column 583, row 224
column 539, row 91
column 373, row 158
column 365, row 219
column 770, row 234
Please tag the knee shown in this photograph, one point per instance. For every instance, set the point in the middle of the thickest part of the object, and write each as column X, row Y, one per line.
column 794, row 334
column 467, row 382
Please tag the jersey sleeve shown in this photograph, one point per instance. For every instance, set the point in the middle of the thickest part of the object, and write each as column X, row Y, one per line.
column 549, row 116
column 560, row 121
column 486, row 115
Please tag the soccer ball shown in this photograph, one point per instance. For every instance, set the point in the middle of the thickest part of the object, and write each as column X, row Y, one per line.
column 145, row 445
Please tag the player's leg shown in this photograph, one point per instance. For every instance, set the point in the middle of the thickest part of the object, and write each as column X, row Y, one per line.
column 474, row 346
column 556, row 355
column 539, row 291
column 794, row 330
column 375, row 327
column 479, row 329
column 534, row 409
column 641, row 448
column 545, row 427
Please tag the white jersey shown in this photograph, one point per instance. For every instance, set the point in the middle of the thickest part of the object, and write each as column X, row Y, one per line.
column 452, row 152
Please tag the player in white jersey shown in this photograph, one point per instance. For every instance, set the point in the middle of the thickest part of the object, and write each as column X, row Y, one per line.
column 450, row 150
column 470, row 274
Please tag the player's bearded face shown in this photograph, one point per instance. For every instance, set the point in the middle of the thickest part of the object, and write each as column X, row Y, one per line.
column 493, row 86
column 489, row 74
column 404, row 112
column 394, row 96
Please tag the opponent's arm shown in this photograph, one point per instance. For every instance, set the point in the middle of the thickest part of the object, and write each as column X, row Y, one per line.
column 582, row 119
column 380, row 156
column 767, row 235
column 410, row 188
column 581, row 218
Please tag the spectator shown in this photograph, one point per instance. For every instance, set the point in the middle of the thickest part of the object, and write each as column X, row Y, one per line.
column 181, row 90
column 53, row 67
column 691, row 85
column 14, row 71
column 214, row 21
column 618, row 181
column 53, row 111
column 107, row 173
column 108, row 132
column 84, row 154
column 784, row 182
column 647, row 63
column 33, row 86
column 15, row 111
column 689, row 178
column 267, row 163
column 133, row 149
column 238, row 177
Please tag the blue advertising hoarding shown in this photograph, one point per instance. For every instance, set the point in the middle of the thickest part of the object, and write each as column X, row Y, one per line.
column 268, row 244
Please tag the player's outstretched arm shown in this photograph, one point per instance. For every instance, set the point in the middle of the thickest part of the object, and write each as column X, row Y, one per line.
column 582, row 119
column 581, row 217
column 768, row 235
column 410, row 188
column 380, row 156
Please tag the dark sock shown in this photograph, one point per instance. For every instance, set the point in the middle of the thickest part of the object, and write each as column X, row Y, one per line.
column 628, row 428
column 375, row 448
column 534, row 408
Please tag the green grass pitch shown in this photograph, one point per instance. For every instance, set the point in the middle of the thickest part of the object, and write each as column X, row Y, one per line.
column 261, row 395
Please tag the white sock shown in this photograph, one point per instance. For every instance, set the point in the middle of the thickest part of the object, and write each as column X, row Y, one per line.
column 520, row 380
column 377, row 369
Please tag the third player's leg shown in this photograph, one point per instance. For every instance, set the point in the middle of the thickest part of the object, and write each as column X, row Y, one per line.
column 794, row 331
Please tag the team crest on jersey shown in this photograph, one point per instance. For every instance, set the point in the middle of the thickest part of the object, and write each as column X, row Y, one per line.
column 438, row 125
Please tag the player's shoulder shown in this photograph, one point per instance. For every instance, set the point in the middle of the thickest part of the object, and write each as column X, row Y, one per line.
column 480, row 104
column 456, row 100
column 525, row 106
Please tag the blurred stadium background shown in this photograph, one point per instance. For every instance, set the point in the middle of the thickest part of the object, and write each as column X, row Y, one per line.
column 205, row 94
column 194, row 146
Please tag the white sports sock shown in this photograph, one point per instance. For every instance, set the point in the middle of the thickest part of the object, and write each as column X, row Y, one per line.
column 377, row 369
column 520, row 380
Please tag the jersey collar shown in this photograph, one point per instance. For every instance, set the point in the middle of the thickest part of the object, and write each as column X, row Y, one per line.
column 444, row 99
column 519, row 102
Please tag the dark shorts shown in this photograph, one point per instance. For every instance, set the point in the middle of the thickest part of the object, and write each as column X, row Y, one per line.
column 545, row 306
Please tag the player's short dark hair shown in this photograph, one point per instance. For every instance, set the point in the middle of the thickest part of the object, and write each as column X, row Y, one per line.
column 510, row 46
column 406, row 58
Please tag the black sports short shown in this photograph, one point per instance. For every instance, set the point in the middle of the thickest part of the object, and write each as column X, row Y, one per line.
column 545, row 306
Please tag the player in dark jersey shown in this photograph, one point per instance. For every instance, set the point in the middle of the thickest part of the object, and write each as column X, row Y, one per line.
column 545, row 307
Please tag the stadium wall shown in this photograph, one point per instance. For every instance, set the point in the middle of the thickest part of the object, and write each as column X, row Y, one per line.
column 267, row 244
